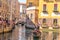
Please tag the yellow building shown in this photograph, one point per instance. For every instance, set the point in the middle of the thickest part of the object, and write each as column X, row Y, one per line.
column 33, row 2
column 49, row 15
column 48, row 12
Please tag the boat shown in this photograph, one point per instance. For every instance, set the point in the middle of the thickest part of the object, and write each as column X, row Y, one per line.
column 6, row 25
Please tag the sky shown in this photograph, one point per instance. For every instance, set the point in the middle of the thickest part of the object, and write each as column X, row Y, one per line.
column 22, row 1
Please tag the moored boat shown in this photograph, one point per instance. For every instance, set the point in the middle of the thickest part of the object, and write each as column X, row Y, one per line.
column 6, row 25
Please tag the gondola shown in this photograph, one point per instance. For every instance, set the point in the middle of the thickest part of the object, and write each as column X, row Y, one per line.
column 6, row 25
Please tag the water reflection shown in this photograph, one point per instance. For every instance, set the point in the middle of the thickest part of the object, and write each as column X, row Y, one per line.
column 13, row 35
column 6, row 36
column 44, row 36
column 50, row 36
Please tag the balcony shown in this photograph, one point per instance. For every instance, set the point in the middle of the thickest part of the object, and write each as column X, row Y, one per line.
column 44, row 13
column 55, row 13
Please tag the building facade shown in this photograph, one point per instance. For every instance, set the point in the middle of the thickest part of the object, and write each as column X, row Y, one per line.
column 32, row 3
column 32, row 14
column 48, row 13
column 3, row 8
column 22, row 11
column 32, row 10
column 9, row 13
column 9, row 8
column 22, row 8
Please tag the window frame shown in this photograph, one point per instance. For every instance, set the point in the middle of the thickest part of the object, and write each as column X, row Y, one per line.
column 44, row 7
column 55, row 7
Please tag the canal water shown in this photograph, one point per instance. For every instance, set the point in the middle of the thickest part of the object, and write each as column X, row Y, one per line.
column 14, row 35
column 49, row 36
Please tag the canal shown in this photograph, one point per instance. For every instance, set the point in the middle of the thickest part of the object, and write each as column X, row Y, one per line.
column 15, row 35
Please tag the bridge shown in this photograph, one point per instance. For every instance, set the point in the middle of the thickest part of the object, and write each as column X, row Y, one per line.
column 24, row 20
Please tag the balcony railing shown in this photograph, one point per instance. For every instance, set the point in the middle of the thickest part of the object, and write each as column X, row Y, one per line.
column 56, row 12
column 45, row 12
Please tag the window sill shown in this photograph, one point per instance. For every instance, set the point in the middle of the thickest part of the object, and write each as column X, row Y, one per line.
column 56, row 12
column 45, row 12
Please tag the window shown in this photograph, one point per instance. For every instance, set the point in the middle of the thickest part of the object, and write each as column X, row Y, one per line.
column 55, row 21
column 44, row 21
column 30, row 4
column 55, row 7
column 44, row 7
column 31, row 16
